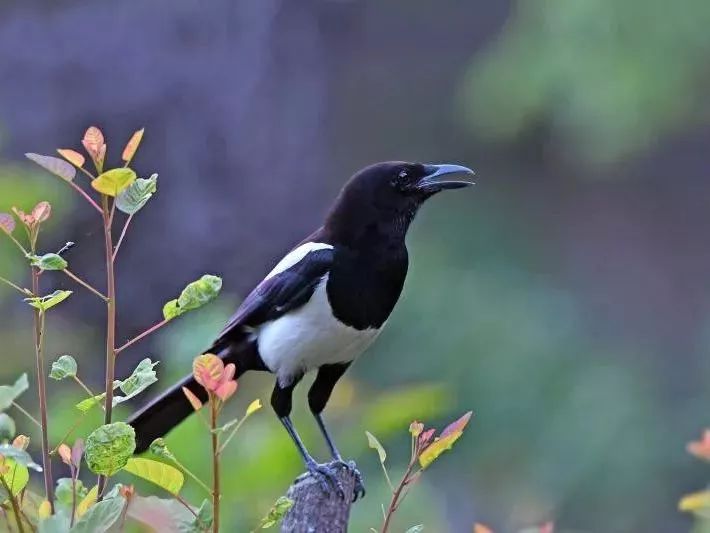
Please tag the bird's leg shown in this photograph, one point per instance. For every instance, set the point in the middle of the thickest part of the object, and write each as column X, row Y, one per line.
column 281, row 402
column 318, row 396
column 327, row 478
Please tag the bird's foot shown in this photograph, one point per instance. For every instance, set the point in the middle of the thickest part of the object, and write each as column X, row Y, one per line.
column 327, row 477
column 350, row 466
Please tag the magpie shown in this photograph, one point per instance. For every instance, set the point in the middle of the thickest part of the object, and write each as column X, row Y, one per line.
column 322, row 305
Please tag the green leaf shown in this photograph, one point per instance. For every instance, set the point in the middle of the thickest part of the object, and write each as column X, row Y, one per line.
column 109, row 447
column 88, row 500
column 142, row 377
column 7, row 427
column 16, row 478
column 113, row 181
column 135, row 196
column 57, row 523
column 43, row 303
column 159, row 448
column 64, row 367
column 171, row 310
column 88, row 403
column 165, row 476
column 373, row 443
column 64, row 491
column 49, row 262
column 204, row 519
column 9, row 393
column 21, row 457
column 56, row 166
column 193, row 296
column 276, row 513
column 100, row 516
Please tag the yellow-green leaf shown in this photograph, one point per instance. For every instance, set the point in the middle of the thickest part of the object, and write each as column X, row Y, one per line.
column 253, row 407
column 16, row 476
column 375, row 445
column 114, row 181
column 165, row 476
column 44, row 510
column 445, row 441
column 88, row 501
column 130, row 150
column 695, row 502
column 75, row 158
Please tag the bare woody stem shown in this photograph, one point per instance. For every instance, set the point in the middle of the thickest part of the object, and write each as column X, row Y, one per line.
column 42, row 392
column 15, row 506
column 394, row 503
column 84, row 284
column 110, row 319
column 86, row 196
column 147, row 332
column 123, row 234
column 215, row 462
column 16, row 287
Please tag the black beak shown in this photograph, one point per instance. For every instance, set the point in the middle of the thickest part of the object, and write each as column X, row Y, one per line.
column 432, row 183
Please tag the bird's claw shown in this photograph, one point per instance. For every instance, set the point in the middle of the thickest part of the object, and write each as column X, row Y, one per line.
column 327, row 478
column 350, row 466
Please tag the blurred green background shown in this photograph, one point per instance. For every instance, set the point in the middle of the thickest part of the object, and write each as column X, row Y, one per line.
column 579, row 329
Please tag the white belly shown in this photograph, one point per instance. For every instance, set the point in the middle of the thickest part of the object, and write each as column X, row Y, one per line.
column 308, row 338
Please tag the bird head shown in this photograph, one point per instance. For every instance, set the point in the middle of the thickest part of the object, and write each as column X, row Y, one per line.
column 386, row 196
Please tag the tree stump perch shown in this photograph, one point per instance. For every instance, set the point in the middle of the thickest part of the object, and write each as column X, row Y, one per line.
column 315, row 511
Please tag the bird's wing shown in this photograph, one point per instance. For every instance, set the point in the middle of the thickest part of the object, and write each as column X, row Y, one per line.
column 279, row 292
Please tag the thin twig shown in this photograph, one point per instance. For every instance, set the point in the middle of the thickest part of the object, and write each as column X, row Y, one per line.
column 215, row 463
column 86, row 196
column 142, row 335
column 123, row 234
column 15, row 506
column 193, row 476
column 24, row 412
column 85, row 284
column 26, row 292
column 42, row 393
column 182, row 501
column 394, row 502
column 83, row 386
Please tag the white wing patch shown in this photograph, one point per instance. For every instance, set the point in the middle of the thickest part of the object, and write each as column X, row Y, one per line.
column 309, row 337
column 294, row 256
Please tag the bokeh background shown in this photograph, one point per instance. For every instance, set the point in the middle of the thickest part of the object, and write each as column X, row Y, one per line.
column 564, row 299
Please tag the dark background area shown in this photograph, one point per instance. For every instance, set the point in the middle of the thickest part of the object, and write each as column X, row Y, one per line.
column 579, row 330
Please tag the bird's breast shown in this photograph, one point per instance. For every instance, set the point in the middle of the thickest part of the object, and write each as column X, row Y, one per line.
column 308, row 337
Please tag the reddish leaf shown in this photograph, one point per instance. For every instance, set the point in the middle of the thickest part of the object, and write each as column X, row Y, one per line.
column 701, row 448
column 481, row 528
column 416, row 428
column 7, row 223
column 74, row 157
column 547, row 527
column 27, row 220
column 130, row 150
column 95, row 145
column 426, row 437
column 41, row 212
column 64, row 452
column 56, row 166
column 226, row 386
column 207, row 369
column 457, row 425
column 194, row 400
column 76, row 452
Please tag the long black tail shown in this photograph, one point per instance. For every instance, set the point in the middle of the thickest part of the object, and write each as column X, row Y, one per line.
column 172, row 407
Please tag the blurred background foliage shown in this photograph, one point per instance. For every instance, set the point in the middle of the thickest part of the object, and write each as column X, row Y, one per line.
column 579, row 327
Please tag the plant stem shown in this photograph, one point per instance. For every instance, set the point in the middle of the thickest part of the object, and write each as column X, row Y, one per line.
column 123, row 234
column 15, row 507
column 142, row 335
column 193, row 476
column 11, row 284
column 86, row 196
column 42, row 392
column 83, row 386
column 110, row 319
column 24, row 412
column 84, row 283
column 395, row 496
column 215, row 463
